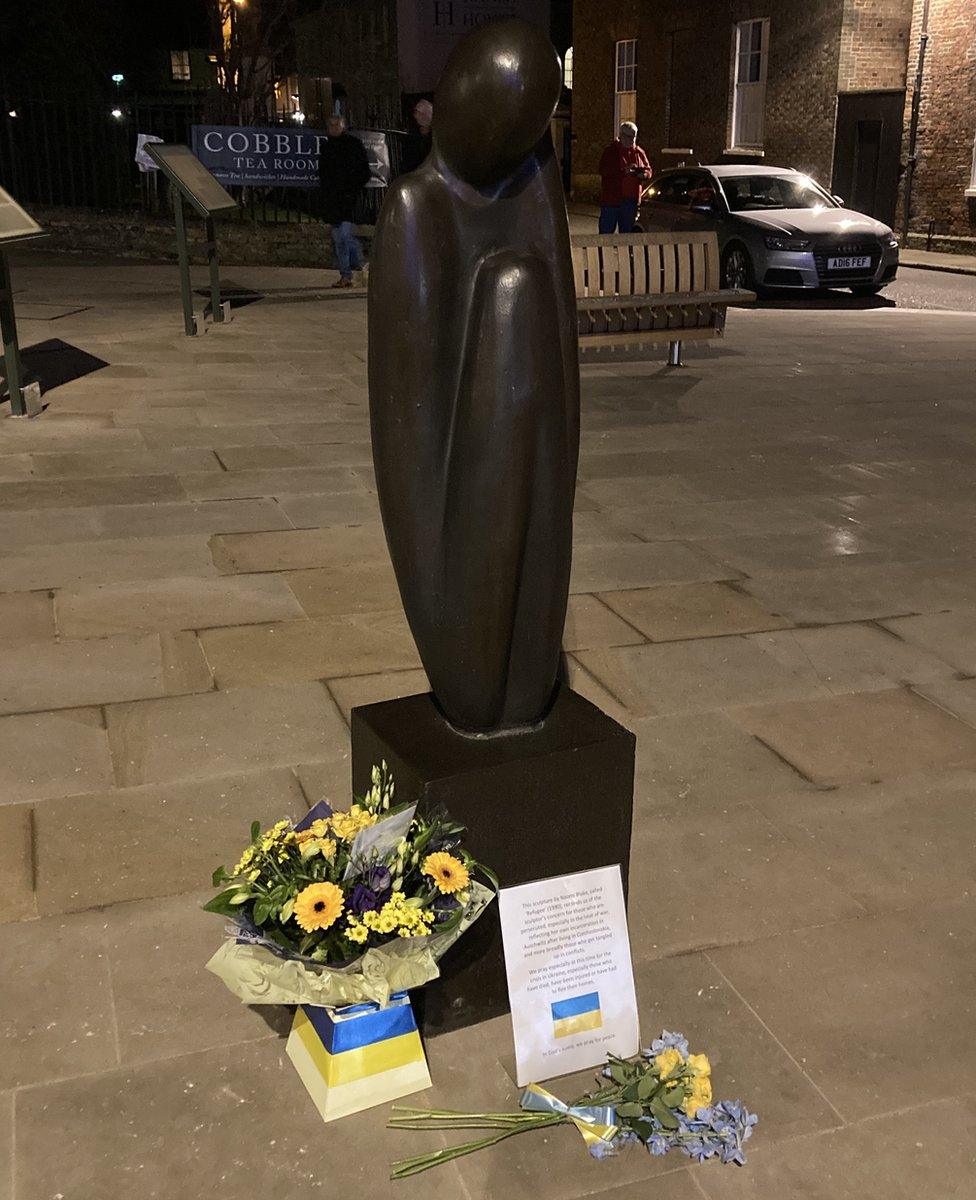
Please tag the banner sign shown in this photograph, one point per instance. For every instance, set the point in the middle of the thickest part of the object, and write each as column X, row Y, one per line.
column 428, row 30
column 570, row 978
column 278, row 157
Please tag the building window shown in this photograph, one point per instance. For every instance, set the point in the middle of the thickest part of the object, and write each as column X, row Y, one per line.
column 971, row 190
column 568, row 70
column 625, row 84
column 749, row 87
column 179, row 64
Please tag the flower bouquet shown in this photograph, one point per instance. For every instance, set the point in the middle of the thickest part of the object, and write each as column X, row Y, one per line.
column 341, row 914
column 661, row 1100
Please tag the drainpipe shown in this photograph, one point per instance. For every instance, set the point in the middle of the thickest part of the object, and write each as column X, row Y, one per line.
column 913, row 125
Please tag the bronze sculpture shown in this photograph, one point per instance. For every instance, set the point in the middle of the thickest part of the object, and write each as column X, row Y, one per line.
column 474, row 385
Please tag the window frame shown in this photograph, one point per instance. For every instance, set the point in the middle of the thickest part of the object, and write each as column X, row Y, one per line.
column 971, row 190
column 624, row 71
column 739, row 56
column 179, row 66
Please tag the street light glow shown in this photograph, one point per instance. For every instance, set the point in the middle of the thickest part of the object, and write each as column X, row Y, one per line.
column 117, row 113
column 12, row 113
column 117, row 78
column 298, row 116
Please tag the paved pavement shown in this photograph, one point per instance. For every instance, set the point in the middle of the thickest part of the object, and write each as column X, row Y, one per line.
column 774, row 586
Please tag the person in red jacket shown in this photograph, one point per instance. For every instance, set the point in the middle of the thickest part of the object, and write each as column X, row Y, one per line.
column 625, row 172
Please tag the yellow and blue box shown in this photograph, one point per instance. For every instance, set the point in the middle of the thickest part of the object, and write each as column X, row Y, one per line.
column 356, row 1057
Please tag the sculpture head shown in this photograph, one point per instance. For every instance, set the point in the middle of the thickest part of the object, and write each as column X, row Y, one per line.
column 498, row 92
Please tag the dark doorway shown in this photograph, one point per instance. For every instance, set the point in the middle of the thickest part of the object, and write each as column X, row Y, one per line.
column 867, row 148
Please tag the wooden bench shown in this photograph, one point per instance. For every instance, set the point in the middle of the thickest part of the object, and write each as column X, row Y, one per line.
column 637, row 289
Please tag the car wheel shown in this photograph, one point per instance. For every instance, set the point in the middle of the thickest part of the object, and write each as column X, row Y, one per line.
column 867, row 289
column 737, row 269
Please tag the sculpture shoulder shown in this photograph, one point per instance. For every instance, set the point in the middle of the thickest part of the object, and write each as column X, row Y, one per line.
column 413, row 197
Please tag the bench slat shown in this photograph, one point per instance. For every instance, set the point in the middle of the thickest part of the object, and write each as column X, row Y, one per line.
column 720, row 296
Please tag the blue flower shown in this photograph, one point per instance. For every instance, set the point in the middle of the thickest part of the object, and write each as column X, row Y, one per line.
column 602, row 1149
column 668, row 1041
column 658, row 1144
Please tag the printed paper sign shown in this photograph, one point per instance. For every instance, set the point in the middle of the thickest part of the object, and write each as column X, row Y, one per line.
column 570, row 977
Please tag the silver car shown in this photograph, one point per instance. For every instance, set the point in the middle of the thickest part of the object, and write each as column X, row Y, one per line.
column 776, row 228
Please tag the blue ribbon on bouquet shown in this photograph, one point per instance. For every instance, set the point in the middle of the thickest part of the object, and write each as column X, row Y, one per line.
column 597, row 1123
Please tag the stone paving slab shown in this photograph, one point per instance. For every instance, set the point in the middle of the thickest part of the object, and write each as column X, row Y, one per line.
column 294, row 549
column 174, row 603
column 75, row 493
column 53, row 754
column 109, row 560
column 854, row 1001
column 152, row 841
column 243, row 729
column 26, row 616
column 666, row 614
column 16, row 863
column 927, row 1149
column 58, row 1019
column 70, row 674
column 863, row 737
column 316, row 648
column 907, row 866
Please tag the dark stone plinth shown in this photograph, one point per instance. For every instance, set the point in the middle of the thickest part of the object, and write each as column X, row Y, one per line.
column 547, row 802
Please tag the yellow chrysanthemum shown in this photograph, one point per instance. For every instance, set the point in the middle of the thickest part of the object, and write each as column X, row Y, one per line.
column 700, row 1095
column 318, row 906
column 448, row 873
column 667, row 1062
column 699, row 1065
column 345, row 825
column 356, row 932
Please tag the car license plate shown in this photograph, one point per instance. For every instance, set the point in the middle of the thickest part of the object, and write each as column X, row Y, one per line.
column 849, row 263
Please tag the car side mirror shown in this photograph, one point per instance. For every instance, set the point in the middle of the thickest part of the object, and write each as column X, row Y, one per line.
column 706, row 208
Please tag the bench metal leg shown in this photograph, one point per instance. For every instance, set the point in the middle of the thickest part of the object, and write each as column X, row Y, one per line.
column 674, row 354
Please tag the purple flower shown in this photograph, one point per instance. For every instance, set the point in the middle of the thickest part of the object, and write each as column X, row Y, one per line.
column 444, row 906
column 378, row 879
column 363, row 899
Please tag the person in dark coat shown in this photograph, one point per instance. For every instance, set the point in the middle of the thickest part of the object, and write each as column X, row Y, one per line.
column 417, row 144
column 343, row 173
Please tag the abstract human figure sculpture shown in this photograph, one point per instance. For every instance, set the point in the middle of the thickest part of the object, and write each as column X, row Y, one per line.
column 474, row 385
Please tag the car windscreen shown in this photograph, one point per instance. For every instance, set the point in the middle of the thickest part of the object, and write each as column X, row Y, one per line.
column 755, row 193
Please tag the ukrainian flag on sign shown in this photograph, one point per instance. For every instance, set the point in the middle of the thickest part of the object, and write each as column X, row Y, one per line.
column 576, row 1014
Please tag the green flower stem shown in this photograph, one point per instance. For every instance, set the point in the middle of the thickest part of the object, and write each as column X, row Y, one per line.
column 423, row 1162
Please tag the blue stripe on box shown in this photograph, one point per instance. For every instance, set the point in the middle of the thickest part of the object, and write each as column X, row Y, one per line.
column 576, row 1005
column 361, row 1028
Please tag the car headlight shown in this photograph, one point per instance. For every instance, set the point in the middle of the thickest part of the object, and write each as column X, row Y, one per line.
column 786, row 243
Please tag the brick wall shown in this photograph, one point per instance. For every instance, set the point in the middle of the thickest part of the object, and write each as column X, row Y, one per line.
column 947, row 123
column 690, row 101
column 874, row 45
column 597, row 27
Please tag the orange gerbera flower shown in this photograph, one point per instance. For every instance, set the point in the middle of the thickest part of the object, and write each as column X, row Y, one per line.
column 448, row 873
column 318, row 906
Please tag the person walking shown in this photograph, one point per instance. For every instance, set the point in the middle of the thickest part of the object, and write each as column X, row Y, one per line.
column 417, row 143
column 624, row 172
column 343, row 173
